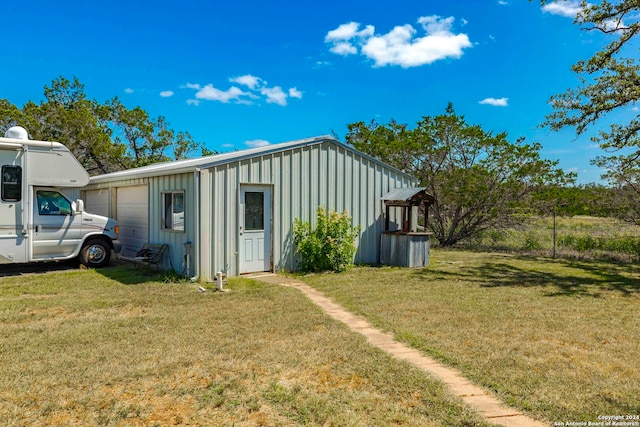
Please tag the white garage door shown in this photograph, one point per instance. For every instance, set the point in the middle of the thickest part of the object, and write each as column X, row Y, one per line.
column 133, row 216
column 97, row 202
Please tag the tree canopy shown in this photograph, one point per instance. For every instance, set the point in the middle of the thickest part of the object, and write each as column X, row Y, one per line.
column 609, row 81
column 478, row 178
column 104, row 137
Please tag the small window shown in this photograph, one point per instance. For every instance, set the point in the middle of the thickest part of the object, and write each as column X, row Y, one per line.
column 53, row 203
column 11, row 183
column 173, row 210
column 254, row 210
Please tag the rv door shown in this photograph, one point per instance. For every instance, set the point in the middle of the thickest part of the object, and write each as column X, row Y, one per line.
column 57, row 232
column 13, row 246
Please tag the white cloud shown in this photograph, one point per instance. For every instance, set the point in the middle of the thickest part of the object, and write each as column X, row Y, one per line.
column 343, row 38
column 434, row 25
column 211, row 93
column 255, row 143
column 128, row 90
column 274, row 95
column 349, row 31
column 400, row 46
column 343, row 32
column 567, row 8
column 256, row 89
column 571, row 8
column 503, row 3
column 344, row 48
column 193, row 102
column 247, row 80
column 166, row 93
column 295, row 93
column 496, row 102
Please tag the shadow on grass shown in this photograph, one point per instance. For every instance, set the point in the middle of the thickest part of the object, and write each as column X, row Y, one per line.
column 128, row 275
column 9, row 270
column 561, row 277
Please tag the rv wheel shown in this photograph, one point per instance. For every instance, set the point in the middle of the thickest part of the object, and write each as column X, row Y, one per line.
column 95, row 253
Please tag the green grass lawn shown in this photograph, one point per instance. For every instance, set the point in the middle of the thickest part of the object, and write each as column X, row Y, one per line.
column 556, row 338
column 117, row 347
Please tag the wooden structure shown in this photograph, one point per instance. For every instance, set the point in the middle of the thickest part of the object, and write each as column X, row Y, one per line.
column 404, row 242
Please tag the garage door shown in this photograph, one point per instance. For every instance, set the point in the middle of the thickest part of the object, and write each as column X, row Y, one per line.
column 133, row 216
column 97, row 202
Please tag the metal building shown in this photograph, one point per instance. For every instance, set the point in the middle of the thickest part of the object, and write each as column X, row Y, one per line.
column 234, row 212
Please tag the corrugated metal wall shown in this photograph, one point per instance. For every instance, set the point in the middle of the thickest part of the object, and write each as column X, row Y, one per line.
column 72, row 193
column 175, row 239
column 325, row 175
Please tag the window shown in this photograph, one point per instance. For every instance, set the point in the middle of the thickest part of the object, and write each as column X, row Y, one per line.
column 173, row 210
column 253, row 210
column 53, row 203
column 11, row 183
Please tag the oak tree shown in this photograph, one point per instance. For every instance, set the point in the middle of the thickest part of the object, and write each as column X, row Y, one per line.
column 104, row 137
column 478, row 178
column 609, row 81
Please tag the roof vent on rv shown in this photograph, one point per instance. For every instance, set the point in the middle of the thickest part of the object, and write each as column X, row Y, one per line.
column 16, row 132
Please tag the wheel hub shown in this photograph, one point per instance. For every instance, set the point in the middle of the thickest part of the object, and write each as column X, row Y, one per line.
column 96, row 253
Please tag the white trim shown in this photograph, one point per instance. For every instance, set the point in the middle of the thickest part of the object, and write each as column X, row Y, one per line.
column 267, row 230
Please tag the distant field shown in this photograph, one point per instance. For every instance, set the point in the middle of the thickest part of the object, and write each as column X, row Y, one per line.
column 119, row 347
column 579, row 237
column 556, row 338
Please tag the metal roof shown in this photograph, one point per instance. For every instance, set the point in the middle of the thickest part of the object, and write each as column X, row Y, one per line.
column 403, row 193
column 406, row 195
column 190, row 165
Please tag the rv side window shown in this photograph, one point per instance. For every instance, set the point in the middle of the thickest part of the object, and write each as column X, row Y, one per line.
column 173, row 210
column 11, row 183
column 53, row 203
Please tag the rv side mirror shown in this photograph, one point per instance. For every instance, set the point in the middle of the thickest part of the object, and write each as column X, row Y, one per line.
column 79, row 206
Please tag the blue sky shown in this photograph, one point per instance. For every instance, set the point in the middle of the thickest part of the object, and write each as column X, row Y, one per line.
column 245, row 73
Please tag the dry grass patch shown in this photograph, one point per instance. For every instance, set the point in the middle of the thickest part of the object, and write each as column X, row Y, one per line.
column 117, row 348
column 558, row 339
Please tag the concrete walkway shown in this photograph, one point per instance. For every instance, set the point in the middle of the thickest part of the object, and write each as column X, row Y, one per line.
column 485, row 404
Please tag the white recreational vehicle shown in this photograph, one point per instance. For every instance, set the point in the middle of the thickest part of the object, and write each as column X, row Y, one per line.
column 37, row 221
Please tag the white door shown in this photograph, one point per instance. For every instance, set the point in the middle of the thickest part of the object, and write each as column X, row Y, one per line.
column 13, row 241
column 132, row 211
column 255, row 229
column 97, row 202
column 57, row 233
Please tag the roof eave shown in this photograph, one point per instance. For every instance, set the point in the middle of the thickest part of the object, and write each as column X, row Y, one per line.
column 171, row 168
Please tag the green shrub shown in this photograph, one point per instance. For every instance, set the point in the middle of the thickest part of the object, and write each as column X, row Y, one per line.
column 531, row 242
column 330, row 247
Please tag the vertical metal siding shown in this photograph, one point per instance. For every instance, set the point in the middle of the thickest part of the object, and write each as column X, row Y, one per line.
column 319, row 175
column 302, row 179
column 175, row 239
column 71, row 192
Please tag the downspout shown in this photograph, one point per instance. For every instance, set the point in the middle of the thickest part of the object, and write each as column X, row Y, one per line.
column 197, row 225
